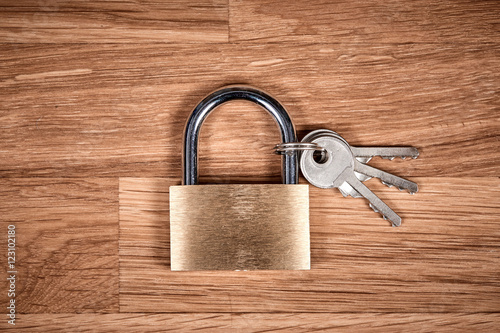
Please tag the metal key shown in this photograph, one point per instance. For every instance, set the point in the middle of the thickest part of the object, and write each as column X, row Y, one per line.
column 364, row 172
column 387, row 178
column 345, row 188
column 385, row 152
column 338, row 169
column 375, row 202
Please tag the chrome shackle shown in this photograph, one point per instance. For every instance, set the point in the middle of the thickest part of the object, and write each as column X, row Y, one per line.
column 289, row 162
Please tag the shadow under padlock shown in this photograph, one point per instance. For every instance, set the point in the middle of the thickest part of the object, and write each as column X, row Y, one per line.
column 239, row 226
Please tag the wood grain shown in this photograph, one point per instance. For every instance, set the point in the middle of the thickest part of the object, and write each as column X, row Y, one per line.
column 78, row 111
column 259, row 322
column 366, row 22
column 444, row 258
column 127, row 21
column 93, row 100
column 66, row 239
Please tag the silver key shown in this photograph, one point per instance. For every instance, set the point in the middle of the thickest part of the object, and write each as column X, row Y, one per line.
column 339, row 169
column 386, row 178
column 364, row 155
column 375, row 202
column 385, row 152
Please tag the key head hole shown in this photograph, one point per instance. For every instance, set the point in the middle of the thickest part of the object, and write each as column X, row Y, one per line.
column 320, row 156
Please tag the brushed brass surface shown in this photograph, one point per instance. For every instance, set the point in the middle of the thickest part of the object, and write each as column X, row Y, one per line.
column 239, row 227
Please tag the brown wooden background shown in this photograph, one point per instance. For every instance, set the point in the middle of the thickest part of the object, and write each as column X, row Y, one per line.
column 93, row 100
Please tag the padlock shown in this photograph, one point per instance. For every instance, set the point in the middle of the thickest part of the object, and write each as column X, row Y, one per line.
column 239, row 226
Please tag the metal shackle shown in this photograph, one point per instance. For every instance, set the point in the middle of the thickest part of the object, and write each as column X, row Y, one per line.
column 289, row 162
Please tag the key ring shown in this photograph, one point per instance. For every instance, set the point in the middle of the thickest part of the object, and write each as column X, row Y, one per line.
column 284, row 148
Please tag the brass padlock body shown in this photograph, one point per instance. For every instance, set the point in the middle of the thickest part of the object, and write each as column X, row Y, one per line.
column 239, row 227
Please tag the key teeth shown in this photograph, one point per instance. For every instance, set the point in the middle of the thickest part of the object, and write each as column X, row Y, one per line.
column 399, row 188
column 373, row 207
column 404, row 157
column 377, row 211
column 414, row 157
column 407, row 190
column 387, row 184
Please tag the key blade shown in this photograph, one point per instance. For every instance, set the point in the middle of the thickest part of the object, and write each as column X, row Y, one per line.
column 387, row 178
column 385, row 152
column 375, row 202
column 347, row 190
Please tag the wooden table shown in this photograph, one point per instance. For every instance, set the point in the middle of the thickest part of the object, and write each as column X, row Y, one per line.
column 93, row 100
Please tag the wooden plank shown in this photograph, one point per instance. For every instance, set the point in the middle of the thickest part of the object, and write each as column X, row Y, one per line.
column 365, row 22
column 444, row 258
column 252, row 322
column 127, row 21
column 103, row 88
column 66, row 244
column 119, row 110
